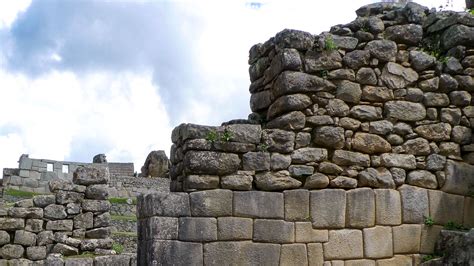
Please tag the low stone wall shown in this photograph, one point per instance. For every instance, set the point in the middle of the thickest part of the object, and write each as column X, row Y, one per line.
column 296, row 227
column 128, row 187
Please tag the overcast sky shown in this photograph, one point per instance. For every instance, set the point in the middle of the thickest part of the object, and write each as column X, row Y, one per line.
column 79, row 78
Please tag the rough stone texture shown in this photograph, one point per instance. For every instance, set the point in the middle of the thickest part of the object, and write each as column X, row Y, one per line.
column 405, row 111
column 305, row 233
column 376, row 177
column 257, row 204
column 328, row 208
column 458, row 178
column 197, row 229
column 422, row 178
column 213, row 163
column 213, row 203
column 429, row 236
column 370, row 143
column 315, row 254
column 280, row 180
column 388, row 207
column 360, row 208
column 234, row 228
column 396, row 76
column 156, row 165
column 296, row 205
column 404, row 161
column 415, row 204
column 167, row 252
column 446, row 207
column 273, row 231
column 241, row 253
column 293, row 254
column 344, row 244
column 342, row 157
column 378, row 242
column 406, row 238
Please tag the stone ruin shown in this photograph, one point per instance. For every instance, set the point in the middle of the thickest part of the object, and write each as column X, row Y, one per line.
column 358, row 151
column 156, row 165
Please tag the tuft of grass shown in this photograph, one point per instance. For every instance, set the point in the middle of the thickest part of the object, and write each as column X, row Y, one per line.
column 123, row 201
column 212, row 136
column 123, row 218
column 20, row 193
column 429, row 221
column 262, row 147
column 125, row 234
column 329, row 44
column 226, row 136
column 454, row 226
column 117, row 248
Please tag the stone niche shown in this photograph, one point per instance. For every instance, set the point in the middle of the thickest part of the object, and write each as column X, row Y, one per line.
column 359, row 149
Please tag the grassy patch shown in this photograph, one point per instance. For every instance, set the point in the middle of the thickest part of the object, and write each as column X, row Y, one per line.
column 20, row 193
column 127, row 234
column 117, row 247
column 123, row 201
column 123, row 218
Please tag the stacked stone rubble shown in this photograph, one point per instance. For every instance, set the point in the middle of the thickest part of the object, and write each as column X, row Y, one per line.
column 73, row 220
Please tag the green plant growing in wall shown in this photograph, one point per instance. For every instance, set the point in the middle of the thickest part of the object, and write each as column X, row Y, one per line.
column 212, row 136
column 262, row 147
column 323, row 74
column 329, row 44
column 226, row 136
column 451, row 225
column 429, row 221
column 117, row 248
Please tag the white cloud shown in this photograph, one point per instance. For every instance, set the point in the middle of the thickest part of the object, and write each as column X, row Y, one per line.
column 9, row 11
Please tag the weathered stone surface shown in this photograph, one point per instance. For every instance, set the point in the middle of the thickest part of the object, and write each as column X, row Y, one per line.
column 316, row 61
column 241, row 253
column 468, row 212
column 431, row 99
column 396, row 76
column 55, row 212
column 445, row 207
column 316, row 180
column 198, row 229
column 330, row 137
column 213, row 163
column 213, row 203
column 418, row 146
column 10, row 224
column 349, row 123
column 396, row 260
column 286, row 59
column 290, row 82
column 328, row 208
column 276, row 181
column 337, row 107
column 420, row 60
column 296, row 39
column 376, row 94
column 461, row 135
column 36, row 253
column 65, row 249
column 280, row 161
column 406, row 238
column 305, row 155
column 260, row 100
column 343, row 182
column 457, row 35
column 19, row 212
column 296, row 205
column 429, row 236
column 240, row 181
column 405, row 111
column 405, row 161
column 384, row 50
column 349, row 91
column 366, row 76
column 234, row 228
column 370, row 143
column 344, row 244
column 378, row 242
column 319, row 120
column 343, row 157
column 84, row 220
column 97, row 174
column 435, row 162
column 256, row 161
column 278, row 140
column 408, row 34
column 366, row 112
column 60, row 225
column 376, row 177
column 119, row 260
column 360, row 208
column 258, row 204
column 24, row 238
column 288, row 103
column 388, row 207
column 4, row 238
column 163, row 204
column 102, row 233
column 98, row 192
column 168, row 252
column 304, row 233
column 422, row 178
column 315, row 254
column 64, row 197
column 273, row 231
column 96, row 205
column 156, row 164
column 342, row 73
column 160, row 228
column 11, row 251
column 436, row 132
column 293, row 254
column 356, row 59
column 415, row 204
column 42, row 201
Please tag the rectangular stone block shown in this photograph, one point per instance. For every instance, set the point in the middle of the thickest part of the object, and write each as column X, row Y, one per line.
column 344, row 244
column 304, row 233
column 234, row 228
column 174, row 204
column 273, row 231
column 359, row 263
column 162, row 228
column 213, row 203
column 360, row 208
column 468, row 211
column 172, row 252
column 10, row 224
column 241, row 253
column 445, row 207
column 414, row 204
column 328, row 208
column 406, row 238
column 293, row 254
column 458, row 178
column 296, row 205
column 378, row 242
column 60, row 225
column 396, row 260
column 388, row 209
column 429, row 236
column 258, row 204
column 197, row 229
column 315, row 254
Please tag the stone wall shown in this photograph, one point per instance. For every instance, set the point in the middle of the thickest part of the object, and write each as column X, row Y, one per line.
column 359, row 149
column 126, row 187
column 73, row 220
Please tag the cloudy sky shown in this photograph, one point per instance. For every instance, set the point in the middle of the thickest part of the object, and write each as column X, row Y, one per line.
column 83, row 77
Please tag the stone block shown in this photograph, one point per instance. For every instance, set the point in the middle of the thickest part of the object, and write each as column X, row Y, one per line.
column 414, row 204
column 388, row 210
column 429, row 236
column 173, row 204
column 304, row 233
column 55, row 212
column 406, row 238
column 240, row 181
column 344, row 244
column 256, row 161
column 273, row 231
column 172, row 252
column 360, row 208
column 90, row 175
column 468, row 212
column 36, row 253
column 211, row 163
column 18, row 212
column 293, row 254
column 458, row 178
column 213, row 203
column 197, row 229
column 241, row 253
column 359, row 263
column 162, row 228
column 34, row 225
column 234, row 228
column 315, row 254
column 42, row 201
column 200, row 182
column 60, row 225
column 95, row 205
column 328, row 208
column 118, row 260
column 398, row 260
column 65, row 197
column 445, row 207
column 378, row 242
column 258, row 204
column 296, row 205
column 10, row 224
column 4, row 238
column 11, row 251
column 25, row 238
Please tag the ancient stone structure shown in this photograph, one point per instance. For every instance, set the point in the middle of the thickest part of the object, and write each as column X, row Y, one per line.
column 73, row 220
column 359, row 149
column 156, row 165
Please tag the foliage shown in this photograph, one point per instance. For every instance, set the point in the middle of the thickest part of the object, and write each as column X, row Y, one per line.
column 323, row 74
column 130, row 201
column 212, row 136
column 329, row 44
column 20, row 193
column 262, row 147
column 454, row 226
column 429, row 221
column 117, row 248
column 428, row 257
column 123, row 218
column 226, row 136
column 471, row 11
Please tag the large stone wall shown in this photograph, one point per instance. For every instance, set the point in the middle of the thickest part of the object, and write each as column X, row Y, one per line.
column 359, row 140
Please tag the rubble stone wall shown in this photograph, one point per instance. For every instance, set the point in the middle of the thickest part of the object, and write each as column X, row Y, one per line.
column 358, row 151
